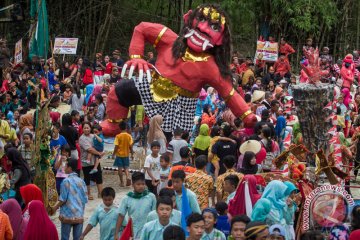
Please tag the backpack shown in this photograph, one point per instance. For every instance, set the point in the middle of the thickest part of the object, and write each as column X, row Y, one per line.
column 267, row 164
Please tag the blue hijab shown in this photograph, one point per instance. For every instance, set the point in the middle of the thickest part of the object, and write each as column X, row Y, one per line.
column 89, row 90
column 10, row 116
column 290, row 187
column 261, row 210
column 280, row 127
column 275, row 193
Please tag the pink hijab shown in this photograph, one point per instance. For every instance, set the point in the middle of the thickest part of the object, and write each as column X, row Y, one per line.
column 40, row 227
column 97, row 90
column 347, row 97
column 12, row 208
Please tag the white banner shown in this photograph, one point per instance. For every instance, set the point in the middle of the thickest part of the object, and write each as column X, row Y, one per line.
column 18, row 52
column 65, row 45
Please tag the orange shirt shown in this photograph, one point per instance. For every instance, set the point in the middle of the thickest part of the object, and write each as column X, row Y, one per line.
column 202, row 185
column 123, row 141
column 6, row 231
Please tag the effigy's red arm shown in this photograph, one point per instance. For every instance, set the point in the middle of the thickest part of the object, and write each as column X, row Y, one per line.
column 152, row 33
column 234, row 101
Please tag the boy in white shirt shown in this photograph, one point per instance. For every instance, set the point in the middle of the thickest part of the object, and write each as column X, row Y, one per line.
column 152, row 168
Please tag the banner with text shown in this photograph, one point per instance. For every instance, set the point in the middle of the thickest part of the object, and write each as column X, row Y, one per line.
column 65, row 45
column 269, row 50
column 18, row 52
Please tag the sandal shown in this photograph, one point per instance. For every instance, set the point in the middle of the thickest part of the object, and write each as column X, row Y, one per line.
column 90, row 197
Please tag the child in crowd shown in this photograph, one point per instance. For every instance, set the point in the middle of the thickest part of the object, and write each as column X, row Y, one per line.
column 211, row 233
column 123, row 147
column 26, row 148
column 75, row 117
column 230, row 184
column 195, row 226
column 56, row 91
column 175, row 214
column 137, row 204
column 238, row 226
column 98, row 143
column 152, row 168
column 60, row 165
column 222, row 222
column 154, row 229
column 67, row 93
column 164, row 171
column 57, row 141
column 105, row 214
column 174, row 232
column 177, row 179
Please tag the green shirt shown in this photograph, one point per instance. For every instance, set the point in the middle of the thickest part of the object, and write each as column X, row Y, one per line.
column 153, row 230
column 213, row 235
column 137, row 209
column 194, row 205
column 175, row 216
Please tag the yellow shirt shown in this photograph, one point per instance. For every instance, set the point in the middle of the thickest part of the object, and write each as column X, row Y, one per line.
column 4, row 130
column 123, row 141
column 202, row 185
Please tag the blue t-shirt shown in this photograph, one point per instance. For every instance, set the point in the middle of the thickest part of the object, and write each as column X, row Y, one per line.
column 222, row 224
column 61, row 141
column 99, row 146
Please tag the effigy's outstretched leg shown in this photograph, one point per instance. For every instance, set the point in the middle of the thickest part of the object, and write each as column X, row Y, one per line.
column 311, row 101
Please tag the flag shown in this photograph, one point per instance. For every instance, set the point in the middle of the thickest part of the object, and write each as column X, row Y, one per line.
column 185, row 209
column 127, row 234
column 39, row 42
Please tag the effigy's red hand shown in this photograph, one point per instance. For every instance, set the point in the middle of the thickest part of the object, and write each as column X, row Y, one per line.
column 137, row 64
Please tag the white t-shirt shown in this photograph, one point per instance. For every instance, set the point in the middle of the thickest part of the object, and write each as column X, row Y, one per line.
column 154, row 165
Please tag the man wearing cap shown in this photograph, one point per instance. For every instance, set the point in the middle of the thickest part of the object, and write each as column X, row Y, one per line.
column 348, row 71
column 257, row 98
column 277, row 232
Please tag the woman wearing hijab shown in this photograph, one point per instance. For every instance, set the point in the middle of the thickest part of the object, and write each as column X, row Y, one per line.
column 276, row 192
column 26, row 124
column 40, row 227
column 156, row 133
column 12, row 208
column 29, row 193
column 20, row 170
column 6, row 232
column 245, row 198
column 96, row 91
column 280, row 131
column 202, row 141
column 89, row 90
column 249, row 165
column 291, row 208
column 261, row 210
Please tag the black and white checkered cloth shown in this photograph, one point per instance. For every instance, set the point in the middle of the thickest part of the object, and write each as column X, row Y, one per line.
column 178, row 112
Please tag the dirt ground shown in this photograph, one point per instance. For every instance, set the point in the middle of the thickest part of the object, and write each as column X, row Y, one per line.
column 110, row 178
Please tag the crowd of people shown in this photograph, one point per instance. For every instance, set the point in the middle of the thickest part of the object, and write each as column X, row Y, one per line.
column 202, row 184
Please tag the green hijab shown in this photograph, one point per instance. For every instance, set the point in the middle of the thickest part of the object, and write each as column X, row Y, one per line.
column 202, row 141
